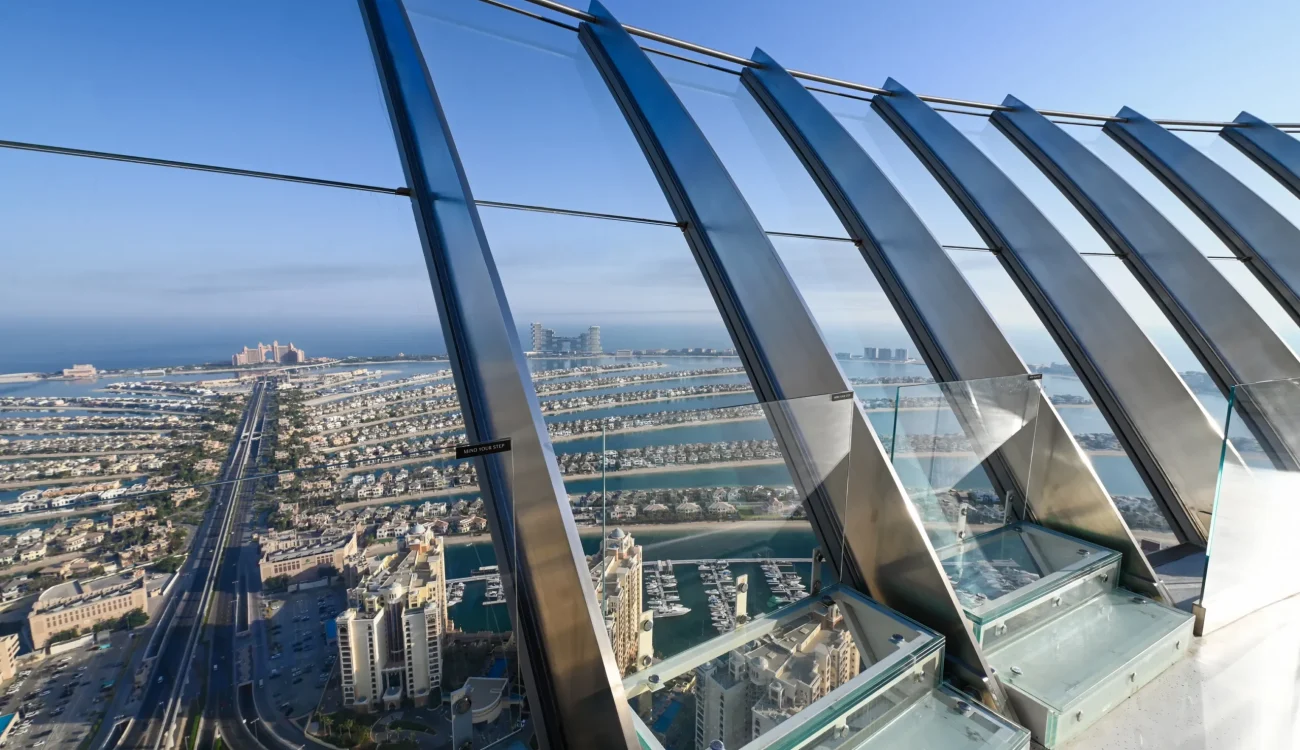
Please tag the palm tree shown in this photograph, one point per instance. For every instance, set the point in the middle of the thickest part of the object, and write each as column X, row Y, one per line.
column 326, row 721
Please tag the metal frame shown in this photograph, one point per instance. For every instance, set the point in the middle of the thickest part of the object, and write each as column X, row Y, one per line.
column 1255, row 231
column 879, row 543
column 574, row 690
column 1169, row 436
column 1230, row 339
column 1269, row 147
column 955, row 333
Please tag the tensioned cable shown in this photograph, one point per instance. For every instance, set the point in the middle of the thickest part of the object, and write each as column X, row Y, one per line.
column 193, row 166
column 746, row 62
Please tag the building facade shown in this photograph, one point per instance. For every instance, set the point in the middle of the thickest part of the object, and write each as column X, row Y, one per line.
column 83, row 604
column 752, row 689
column 616, row 574
column 303, row 559
column 274, row 352
column 391, row 637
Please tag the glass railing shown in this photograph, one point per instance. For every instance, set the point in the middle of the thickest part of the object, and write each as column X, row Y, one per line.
column 946, row 438
column 1255, row 509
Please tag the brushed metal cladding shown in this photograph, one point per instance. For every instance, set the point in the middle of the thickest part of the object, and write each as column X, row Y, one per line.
column 1250, row 227
column 873, row 534
column 1230, row 339
column 574, row 689
column 1173, row 442
column 1274, row 150
column 956, row 335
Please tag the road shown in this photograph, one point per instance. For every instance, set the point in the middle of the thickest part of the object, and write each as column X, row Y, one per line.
column 166, row 693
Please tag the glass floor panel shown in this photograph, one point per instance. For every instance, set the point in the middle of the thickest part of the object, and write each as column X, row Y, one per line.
column 943, row 719
column 1071, row 655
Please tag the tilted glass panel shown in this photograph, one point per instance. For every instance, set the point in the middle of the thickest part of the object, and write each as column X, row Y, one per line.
column 188, row 329
column 533, row 121
column 943, row 433
column 1137, row 302
column 1017, row 319
column 912, row 179
column 1243, row 168
column 1151, row 188
column 1255, row 514
column 1032, row 182
column 238, row 84
column 1261, row 300
column 755, row 154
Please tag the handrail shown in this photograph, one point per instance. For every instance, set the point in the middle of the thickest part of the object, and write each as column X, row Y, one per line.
column 737, row 60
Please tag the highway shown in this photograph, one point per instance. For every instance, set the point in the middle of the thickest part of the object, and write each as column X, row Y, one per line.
column 162, row 713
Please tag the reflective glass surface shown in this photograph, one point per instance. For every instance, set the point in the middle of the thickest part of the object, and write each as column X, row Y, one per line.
column 942, row 435
column 1070, row 398
column 755, row 154
column 1255, row 509
column 1244, row 169
column 533, row 121
column 1263, row 302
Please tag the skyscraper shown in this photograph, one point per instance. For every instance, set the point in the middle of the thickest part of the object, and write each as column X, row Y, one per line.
column 882, row 352
column 868, row 352
column 900, row 355
column 546, row 342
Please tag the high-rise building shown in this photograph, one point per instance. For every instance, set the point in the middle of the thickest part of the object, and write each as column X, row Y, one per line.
column 868, row 352
column 749, row 691
column 546, row 342
column 391, row 636
column 882, row 352
column 616, row 574
column 900, row 355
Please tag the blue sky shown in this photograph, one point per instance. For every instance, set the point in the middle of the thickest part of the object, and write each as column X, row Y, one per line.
column 142, row 254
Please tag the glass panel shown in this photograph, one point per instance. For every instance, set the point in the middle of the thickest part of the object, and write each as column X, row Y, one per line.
column 1250, row 174
column 534, row 122
column 1255, row 513
column 1151, row 188
column 773, row 181
column 744, row 689
column 1022, row 327
column 160, row 79
column 135, row 378
column 941, row 437
column 1237, row 274
column 1032, row 182
column 1137, row 302
column 906, row 172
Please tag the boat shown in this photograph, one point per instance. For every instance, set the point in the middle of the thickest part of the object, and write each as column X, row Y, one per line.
column 671, row 610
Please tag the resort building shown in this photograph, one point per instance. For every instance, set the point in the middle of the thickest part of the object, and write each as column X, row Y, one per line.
column 761, row 684
column 390, row 638
column 303, row 558
column 9, row 656
column 83, row 604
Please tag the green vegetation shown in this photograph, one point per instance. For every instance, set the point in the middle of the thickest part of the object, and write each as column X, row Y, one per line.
column 167, row 564
column 347, row 729
column 276, row 584
column 415, row 726
column 65, row 635
column 136, row 618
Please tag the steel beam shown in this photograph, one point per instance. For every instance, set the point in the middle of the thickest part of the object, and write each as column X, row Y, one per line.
column 873, row 536
column 1232, row 341
column 575, row 693
column 1172, row 440
column 1250, row 227
column 955, row 333
column 1277, row 152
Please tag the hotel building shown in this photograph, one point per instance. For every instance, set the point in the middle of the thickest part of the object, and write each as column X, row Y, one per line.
column 761, row 684
column 391, row 637
column 616, row 574
column 302, row 558
column 83, row 604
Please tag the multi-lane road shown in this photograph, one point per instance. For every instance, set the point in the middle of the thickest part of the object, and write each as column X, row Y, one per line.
column 177, row 653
